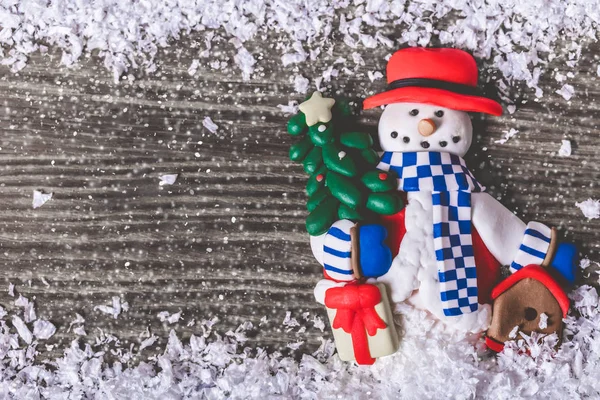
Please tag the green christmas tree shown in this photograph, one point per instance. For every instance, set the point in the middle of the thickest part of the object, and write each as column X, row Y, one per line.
column 344, row 182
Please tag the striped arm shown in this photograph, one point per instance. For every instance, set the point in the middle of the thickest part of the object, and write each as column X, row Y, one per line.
column 534, row 247
column 337, row 251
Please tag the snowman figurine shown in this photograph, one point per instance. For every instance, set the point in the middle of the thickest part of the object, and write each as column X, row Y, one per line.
column 449, row 243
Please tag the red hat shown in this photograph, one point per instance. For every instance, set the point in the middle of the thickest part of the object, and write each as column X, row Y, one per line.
column 444, row 77
column 539, row 274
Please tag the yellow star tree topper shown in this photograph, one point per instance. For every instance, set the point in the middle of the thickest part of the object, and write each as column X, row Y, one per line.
column 317, row 109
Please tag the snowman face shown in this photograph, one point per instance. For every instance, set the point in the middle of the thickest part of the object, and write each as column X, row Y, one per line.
column 405, row 127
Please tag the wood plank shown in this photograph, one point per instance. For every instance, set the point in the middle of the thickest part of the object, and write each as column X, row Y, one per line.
column 228, row 238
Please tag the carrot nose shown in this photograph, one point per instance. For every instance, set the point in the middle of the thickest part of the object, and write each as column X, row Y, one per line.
column 426, row 127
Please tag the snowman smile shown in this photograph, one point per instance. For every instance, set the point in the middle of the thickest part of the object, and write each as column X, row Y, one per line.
column 425, row 144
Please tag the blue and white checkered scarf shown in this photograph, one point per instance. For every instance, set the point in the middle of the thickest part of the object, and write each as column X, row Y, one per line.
column 446, row 176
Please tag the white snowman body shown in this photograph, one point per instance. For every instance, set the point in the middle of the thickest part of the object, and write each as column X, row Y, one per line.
column 413, row 275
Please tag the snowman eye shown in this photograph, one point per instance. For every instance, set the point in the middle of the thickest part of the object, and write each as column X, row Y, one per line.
column 456, row 139
column 414, row 112
column 406, row 139
column 439, row 113
column 394, row 134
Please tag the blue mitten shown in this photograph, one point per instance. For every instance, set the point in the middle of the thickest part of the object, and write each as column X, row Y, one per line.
column 375, row 256
column 565, row 261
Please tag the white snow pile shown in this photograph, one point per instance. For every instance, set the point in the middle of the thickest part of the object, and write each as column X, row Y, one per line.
column 430, row 364
column 516, row 37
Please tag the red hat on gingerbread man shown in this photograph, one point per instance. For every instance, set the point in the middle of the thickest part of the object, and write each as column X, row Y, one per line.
column 444, row 77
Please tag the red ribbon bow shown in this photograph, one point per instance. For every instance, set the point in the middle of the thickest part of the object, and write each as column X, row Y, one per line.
column 356, row 315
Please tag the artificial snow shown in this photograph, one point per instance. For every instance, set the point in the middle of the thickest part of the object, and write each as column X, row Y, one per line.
column 79, row 320
column 373, row 76
column 194, row 67
column 40, row 198
column 210, row 125
column 507, row 135
column 565, row 148
column 290, row 108
column 116, row 308
column 430, row 364
column 518, row 38
column 79, row 331
column 22, row 329
column 168, row 179
column 165, row 316
column 147, row 342
column 43, row 329
column 543, row 321
column 28, row 308
column 590, row 208
column 301, row 84
column 566, row 92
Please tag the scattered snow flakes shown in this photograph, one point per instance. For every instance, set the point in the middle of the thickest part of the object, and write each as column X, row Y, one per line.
column 543, row 321
column 210, row 125
column 295, row 346
column 507, row 135
column 513, row 332
column 28, row 308
column 168, row 179
column 263, row 321
column 116, row 308
column 168, row 317
column 290, row 322
column 11, row 290
column 511, row 108
column 40, row 198
column 43, row 329
column 299, row 56
column 240, row 333
column 590, row 208
column 245, row 61
column 330, row 72
column 373, row 76
column 301, row 84
column 3, row 312
column 194, row 67
column 290, row 108
column 79, row 329
column 567, row 91
column 584, row 263
column 147, row 342
column 565, row 148
column 22, row 329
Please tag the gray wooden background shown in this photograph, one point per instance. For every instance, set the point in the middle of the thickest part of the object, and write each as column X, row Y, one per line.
column 228, row 238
